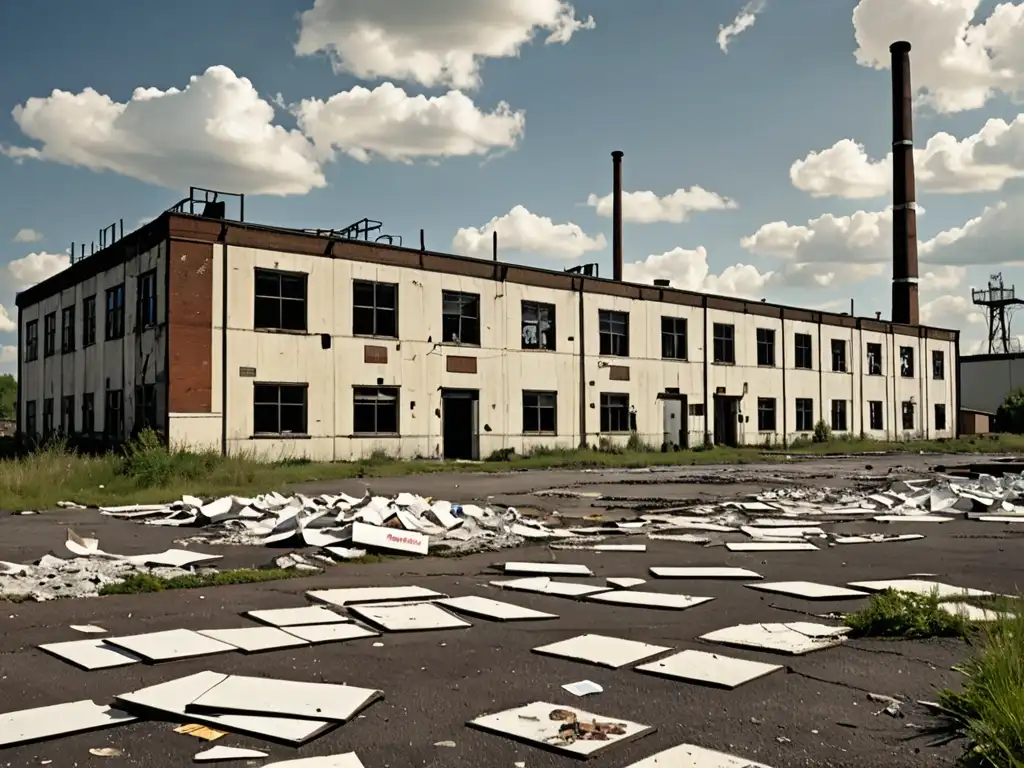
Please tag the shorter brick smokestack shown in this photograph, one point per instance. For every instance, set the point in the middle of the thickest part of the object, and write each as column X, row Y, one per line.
column 617, row 216
column 905, row 307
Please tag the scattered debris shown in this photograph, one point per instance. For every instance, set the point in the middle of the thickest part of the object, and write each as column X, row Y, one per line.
column 611, row 652
column 201, row 731
column 105, row 752
column 687, row 755
column 583, row 688
column 708, row 669
column 88, row 629
column 796, row 638
column 30, row 725
column 448, row 744
column 215, row 754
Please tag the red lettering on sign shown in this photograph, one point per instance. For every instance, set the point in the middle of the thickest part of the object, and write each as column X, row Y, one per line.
column 402, row 539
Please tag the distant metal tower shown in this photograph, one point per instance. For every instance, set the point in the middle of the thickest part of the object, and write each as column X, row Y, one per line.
column 999, row 303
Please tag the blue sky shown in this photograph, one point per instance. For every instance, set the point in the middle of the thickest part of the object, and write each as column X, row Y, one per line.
column 649, row 78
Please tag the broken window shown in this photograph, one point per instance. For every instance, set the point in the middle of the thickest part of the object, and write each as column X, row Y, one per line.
column 67, row 414
column 375, row 411
column 908, row 415
column 804, row 357
column 874, row 359
column 145, row 407
column 88, row 413
column 113, row 414
column 539, row 412
column 47, row 416
column 940, row 416
column 146, row 291
column 839, row 416
column 724, row 343
column 460, row 318
column 49, row 334
column 538, row 325
column 374, row 309
column 766, row 347
column 115, row 313
column 279, row 409
column 279, row 302
column 67, row 330
column 697, row 409
column 766, row 414
column 907, row 362
column 614, row 412
column 31, row 341
column 614, row 333
column 804, row 414
column 31, row 428
column 838, row 356
column 673, row 338
column 938, row 364
column 88, row 321
column 875, row 420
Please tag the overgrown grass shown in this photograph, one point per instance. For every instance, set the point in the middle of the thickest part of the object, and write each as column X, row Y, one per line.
column 905, row 615
column 147, row 472
column 141, row 583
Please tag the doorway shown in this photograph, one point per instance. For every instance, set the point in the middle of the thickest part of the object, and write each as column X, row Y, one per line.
column 460, row 413
column 727, row 414
column 674, row 422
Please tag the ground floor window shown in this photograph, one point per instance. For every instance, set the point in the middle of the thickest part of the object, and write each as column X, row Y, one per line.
column 113, row 414
column 766, row 414
column 804, row 414
column 31, row 427
column 940, row 416
column 839, row 416
column 279, row 409
column 539, row 412
column 614, row 412
column 908, row 415
column 375, row 411
column 48, row 416
column 875, row 418
column 67, row 414
column 88, row 413
column 145, row 407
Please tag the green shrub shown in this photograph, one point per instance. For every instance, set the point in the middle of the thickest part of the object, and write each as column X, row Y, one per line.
column 822, row 432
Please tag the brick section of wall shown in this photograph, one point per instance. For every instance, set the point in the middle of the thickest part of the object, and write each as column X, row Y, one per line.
column 190, row 323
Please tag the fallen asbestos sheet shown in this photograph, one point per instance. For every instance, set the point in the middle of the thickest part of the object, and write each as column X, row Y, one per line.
column 795, row 638
column 42, row 723
column 692, row 756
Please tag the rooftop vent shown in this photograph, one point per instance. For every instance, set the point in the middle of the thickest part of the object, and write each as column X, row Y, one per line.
column 662, row 282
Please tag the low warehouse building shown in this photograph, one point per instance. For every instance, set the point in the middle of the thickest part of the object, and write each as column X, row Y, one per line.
column 287, row 343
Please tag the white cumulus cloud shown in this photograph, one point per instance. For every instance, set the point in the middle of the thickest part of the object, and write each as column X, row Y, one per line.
column 27, row 236
column 993, row 238
column 521, row 230
column 744, row 20
column 647, row 207
column 689, row 270
column 861, row 238
column 982, row 162
column 430, row 43
column 7, row 324
column 959, row 61
column 36, row 267
column 390, row 123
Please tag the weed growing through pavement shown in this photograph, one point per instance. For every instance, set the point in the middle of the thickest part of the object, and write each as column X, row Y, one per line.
column 905, row 615
column 140, row 583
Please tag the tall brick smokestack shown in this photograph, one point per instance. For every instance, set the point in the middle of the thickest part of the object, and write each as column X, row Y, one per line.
column 617, row 215
column 905, row 307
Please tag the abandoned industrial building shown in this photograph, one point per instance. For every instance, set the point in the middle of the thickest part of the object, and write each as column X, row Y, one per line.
column 227, row 335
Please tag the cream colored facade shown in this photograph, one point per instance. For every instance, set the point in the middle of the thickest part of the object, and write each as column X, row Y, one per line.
column 329, row 363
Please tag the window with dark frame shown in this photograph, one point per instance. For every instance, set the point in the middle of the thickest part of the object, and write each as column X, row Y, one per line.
column 766, row 419
column 540, row 413
column 31, row 341
column 67, row 414
column 145, row 407
column 67, row 330
column 538, row 325
column 907, row 362
column 145, row 293
column 940, row 416
column 614, row 333
column 31, row 428
column 874, row 359
column 838, row 356
column 88, row 321
column 876, row 422
column 49, row 334
column 938, row 364
column 766, row 347
column 614, row 412
column 114, row 327
column 113, row 414
column 47, row 416
column 88, row 413
column 279, row 409
column 804, row 414
column 374, row 309
column 460, row 318
column 839, row 416
column 908, row 415
column 375, row 410
column 803, row 351
column 724, row 343
column 673, row 338
column 279, row 300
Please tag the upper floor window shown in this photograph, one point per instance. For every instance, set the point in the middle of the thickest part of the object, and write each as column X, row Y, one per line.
column 31, row 342
column 67, row 330
column 279, row 301
column 838, row 356
column 115, row 313
column 724, row 343
column 538, row 325
column 766, row 348
column 907, row 362
column 938, row 364
column 146, row 291
column 874, row 359
column 804, row 347
column 460, row 318
column 614, row 330
column 673, row 338
column 374, row 309
column 88, row 321
column 49, row 334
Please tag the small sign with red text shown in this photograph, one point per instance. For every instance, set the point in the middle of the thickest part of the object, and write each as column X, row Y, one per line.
column 389, row 538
